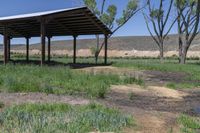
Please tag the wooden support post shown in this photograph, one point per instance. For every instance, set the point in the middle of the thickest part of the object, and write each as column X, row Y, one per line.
column 9, row 48
column 43, row 32
column 106, row 49
column 49, row 48
column 74, row 57
column 27, row 49
column 5, row 45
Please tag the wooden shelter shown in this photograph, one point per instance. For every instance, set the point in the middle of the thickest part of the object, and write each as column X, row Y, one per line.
column 65, row 22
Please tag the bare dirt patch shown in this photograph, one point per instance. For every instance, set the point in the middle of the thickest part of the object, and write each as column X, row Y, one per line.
column 168, row 93
column 155, row 108
column 161, row 78
column 21, row 98
column 114, row 70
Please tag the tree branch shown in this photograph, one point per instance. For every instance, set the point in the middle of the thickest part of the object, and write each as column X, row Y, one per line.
column 146, row 21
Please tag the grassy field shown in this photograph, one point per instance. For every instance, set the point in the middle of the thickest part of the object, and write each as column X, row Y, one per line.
column 59, row 118
column 62, row 80
column 58, row 80
column 191, row 69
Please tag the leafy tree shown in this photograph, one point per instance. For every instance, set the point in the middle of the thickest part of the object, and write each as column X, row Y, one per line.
column 188, row 12
column 92, row 5
column 109, row 18
column 160, row 27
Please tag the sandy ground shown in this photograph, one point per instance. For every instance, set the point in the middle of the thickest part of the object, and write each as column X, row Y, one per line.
column 20, row 98
column 154, row 108
column 111, row 53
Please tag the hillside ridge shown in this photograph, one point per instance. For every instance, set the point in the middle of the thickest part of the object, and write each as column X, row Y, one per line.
column 126, row 43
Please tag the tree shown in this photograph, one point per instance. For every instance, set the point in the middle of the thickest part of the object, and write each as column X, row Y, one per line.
column 188, row 12
column 108, row 16
column 158, row 18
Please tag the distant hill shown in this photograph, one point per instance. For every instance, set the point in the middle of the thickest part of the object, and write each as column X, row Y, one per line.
column 141, row 43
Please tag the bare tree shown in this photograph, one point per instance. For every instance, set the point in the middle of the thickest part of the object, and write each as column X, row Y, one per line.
column 188, row 25
column 109, row 16
column 158, row 24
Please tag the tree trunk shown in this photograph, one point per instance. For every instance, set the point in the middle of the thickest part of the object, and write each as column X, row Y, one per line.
column 161, row 55
column 180, row 49
column 182, row 58
column 161, row 52
column 183, row 54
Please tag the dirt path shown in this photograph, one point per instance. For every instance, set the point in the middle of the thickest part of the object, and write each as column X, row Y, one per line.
column 155, row 109
column 20, row 98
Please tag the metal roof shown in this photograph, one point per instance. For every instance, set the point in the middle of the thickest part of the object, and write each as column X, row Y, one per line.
column 36, row 14
column 70, row 21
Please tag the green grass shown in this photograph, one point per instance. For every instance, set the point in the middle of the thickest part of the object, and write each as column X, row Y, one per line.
column 189, row 124
column 191, row 69
column 58, row 80
column 61, row 118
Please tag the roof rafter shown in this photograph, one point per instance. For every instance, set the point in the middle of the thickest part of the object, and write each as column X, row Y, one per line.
column 73, row 21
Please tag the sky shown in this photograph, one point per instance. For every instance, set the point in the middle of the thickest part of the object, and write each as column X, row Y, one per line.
column 135, row 27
